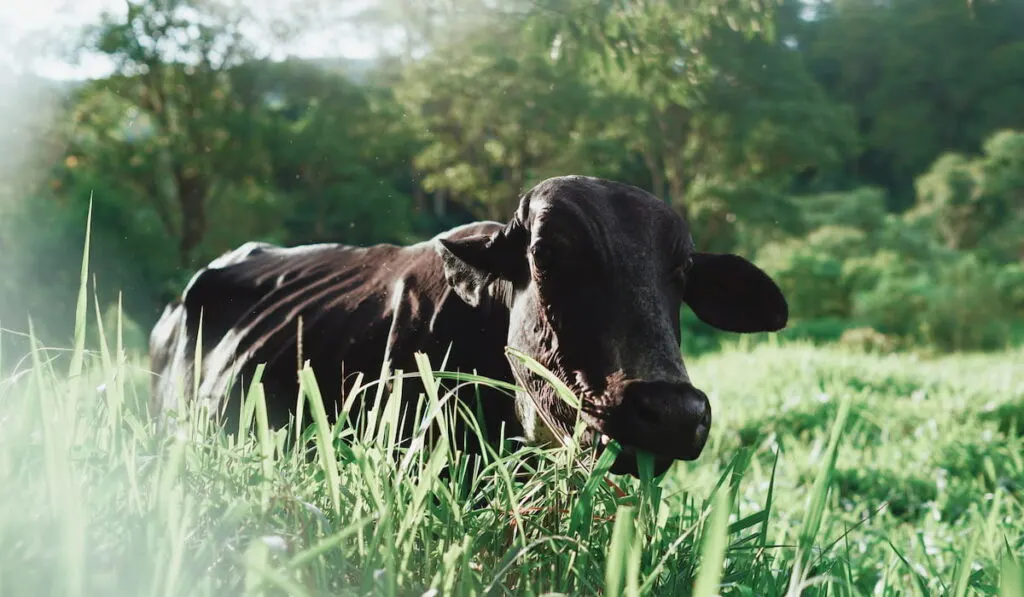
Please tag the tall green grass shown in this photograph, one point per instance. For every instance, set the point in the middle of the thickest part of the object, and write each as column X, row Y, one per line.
column 827, row 473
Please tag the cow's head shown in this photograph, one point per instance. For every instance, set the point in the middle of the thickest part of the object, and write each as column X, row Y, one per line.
column 593, row 274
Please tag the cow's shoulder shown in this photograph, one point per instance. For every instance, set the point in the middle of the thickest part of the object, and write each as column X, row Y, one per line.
column 259, row 282
column 422, row 272
column 260, row 266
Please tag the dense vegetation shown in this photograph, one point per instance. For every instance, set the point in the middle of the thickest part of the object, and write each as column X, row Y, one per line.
column 869, row 154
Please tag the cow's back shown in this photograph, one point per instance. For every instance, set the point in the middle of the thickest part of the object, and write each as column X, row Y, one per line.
column 355, row 305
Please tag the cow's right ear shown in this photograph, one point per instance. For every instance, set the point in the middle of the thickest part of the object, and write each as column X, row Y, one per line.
column 472, row 264
column 730, row 293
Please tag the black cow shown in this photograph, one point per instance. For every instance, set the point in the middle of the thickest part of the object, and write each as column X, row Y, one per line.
column 588, row 278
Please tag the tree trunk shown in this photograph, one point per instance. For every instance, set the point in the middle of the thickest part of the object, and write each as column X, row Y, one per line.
column 712, row 228
column 673, row 137
column 419, row 199
column 192, row 199
column 516, row 177
column 657, row 177
column 440, row 203
column 677, row 192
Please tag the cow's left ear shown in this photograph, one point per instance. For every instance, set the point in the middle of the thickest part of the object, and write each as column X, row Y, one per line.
column 730, row 293
column 472, row 264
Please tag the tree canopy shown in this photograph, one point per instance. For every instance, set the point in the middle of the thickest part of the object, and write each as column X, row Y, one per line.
column 822, row 137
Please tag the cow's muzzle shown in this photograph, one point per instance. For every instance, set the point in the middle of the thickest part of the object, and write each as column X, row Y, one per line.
column 669, row 420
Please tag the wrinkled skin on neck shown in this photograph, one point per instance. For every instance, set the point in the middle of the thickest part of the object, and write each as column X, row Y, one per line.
column 594, row 274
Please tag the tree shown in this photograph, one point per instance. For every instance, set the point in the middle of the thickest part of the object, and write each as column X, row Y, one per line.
column 977, row 203
column 174, row 61
column 494, row 115
column 337, row 153
column 924, row 77
column 708, row 96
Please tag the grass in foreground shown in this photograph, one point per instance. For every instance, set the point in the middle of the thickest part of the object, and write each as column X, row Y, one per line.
column 827, row 473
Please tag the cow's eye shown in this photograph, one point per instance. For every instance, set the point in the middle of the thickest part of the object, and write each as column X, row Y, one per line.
column 679, row 274
column 543, row 255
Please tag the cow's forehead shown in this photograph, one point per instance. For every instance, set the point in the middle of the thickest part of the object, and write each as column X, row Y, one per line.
column 599, row 208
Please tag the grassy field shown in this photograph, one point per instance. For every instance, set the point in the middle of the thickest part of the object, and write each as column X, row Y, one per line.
column 827, row 472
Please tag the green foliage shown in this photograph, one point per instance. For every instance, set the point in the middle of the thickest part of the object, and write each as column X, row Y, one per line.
column 195, row 135
column 837, row 255
column 708, row 97
column 862, row 274
column 841, row 242
column 965, row 309
column 1010, row 284
column 923, row 77
column 334, row 172
column 958, row 307
column 858, row 266
column 821, row 330
column 912, row 241
column 741, row 215
column 860, row 209
column 866, row 339
column 895, row 304
column 978, row 204
column 812, row 279
column 793, row 132
column 495, row 117
column 44, row 238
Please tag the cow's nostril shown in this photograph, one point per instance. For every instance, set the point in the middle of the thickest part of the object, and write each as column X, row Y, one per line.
column 703, row 411
column 665, row 418
column 673, row 406
column 704, row 422
column 645, row 408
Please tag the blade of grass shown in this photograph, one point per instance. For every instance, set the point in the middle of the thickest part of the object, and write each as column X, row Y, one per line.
column 713, row 547
column 768, row 499
column 823, row 481
column 325, row 446
column 82, row 306
column 539, row 370
column 113, row 386
column 263, row 437
column 962, row 577
column 619, row 548
column 919, row 581
column 63, row 483
column 1011, row 577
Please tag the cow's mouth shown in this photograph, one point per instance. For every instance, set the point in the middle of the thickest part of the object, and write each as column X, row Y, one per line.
column 660, row 420
column 627, row 461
